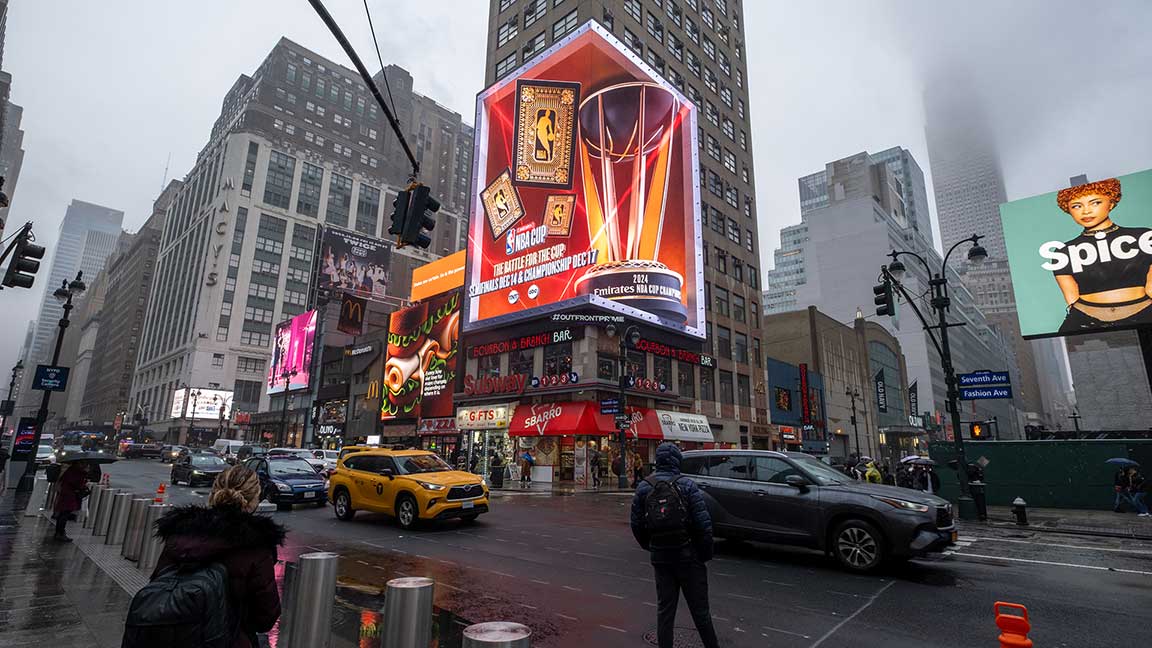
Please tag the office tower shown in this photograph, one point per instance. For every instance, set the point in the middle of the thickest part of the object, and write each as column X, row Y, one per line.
column 699, row 48
column 299, row 144
column 853, row 214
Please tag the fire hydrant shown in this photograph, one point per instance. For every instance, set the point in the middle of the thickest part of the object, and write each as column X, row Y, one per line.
column 1020, row 510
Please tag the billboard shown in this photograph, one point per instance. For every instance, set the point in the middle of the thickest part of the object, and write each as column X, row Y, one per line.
column 292, row 352
column 201, row 404
column 420, row 364
column 1081, row 257
column 354, row 263
column 438, row 276
column 587, row 191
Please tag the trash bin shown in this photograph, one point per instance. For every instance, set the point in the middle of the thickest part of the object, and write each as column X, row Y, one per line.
column 496, row 477
column 976, row 488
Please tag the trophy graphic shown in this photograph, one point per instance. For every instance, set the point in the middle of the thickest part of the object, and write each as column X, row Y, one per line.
column 626, row 136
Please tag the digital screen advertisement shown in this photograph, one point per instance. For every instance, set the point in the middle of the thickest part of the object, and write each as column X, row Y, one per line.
column 1081, row 257
column 587, row 191
column 354, row 263
column 420, row 365
column 201, row 403
column 292, row 353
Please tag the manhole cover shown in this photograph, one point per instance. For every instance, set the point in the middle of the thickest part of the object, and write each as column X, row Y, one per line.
column 684, row 638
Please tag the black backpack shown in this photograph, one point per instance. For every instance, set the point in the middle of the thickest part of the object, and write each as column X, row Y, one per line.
column 185, row 606
column 665, row 516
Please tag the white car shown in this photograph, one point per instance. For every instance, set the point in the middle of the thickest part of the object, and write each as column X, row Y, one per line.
column 45, row 454
column 303, row 453
column 329, row 457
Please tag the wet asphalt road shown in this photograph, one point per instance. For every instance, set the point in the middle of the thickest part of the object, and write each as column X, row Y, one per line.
column 568, row 567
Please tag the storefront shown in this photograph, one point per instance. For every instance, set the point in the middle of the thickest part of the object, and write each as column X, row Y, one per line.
column 439, row 435
column 483, row 436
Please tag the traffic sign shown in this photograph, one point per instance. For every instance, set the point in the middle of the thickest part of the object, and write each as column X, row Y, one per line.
column 50, row 378
column 985, row 393
column 978, row 378
column 609, row 406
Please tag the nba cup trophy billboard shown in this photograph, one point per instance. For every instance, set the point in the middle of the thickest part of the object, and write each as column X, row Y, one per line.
column 588, row 191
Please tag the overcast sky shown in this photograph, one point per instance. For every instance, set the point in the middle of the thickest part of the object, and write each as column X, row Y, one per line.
column 112, row 89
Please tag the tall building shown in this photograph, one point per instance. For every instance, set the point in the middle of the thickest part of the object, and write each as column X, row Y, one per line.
column 853, row 214
column 699, row 48
column 11, row 155
column 299, row 144
column 969, row 187
column 79, row 347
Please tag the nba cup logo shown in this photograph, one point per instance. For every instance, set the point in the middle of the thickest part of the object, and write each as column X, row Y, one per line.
column 626, row 136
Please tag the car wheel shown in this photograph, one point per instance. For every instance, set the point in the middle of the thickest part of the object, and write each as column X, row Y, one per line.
column 174, row 481
column 470, row 518
column 343, row 506
column 858, row 545
column 407, row 511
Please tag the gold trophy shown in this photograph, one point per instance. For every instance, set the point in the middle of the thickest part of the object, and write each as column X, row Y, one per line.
column 626, row 135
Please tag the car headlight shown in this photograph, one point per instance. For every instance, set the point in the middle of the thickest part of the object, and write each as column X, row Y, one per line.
column 484, row 482
column 282, row 487
column 432, row 487
column 903, row 505
column 197, row 472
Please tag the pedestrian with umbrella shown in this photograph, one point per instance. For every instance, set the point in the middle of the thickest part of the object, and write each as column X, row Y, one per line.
column 71, row 489
column 1128, row 484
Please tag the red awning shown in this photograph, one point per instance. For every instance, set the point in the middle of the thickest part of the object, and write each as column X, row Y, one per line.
column 580, row 418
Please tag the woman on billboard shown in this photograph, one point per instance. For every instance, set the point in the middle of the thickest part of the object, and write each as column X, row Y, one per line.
column 1105, row 273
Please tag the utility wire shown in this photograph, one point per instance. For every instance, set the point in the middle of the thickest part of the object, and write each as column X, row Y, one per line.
column 372, row 29
column 343, row 40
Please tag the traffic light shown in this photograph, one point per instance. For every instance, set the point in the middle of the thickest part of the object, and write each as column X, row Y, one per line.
column 883, row 299
column 399, row 212
column 977, row 430
column 22, row 269
column 419, row 223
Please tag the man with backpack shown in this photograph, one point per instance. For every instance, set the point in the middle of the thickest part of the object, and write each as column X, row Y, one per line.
column 670, row 519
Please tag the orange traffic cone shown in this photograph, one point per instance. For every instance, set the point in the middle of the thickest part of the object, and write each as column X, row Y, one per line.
column 1013, row 627
column 161, row 494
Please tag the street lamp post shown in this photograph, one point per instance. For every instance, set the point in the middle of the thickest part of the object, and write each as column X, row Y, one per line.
column 16, row 371
column 631, row 335
column 1075, row 416
column 64, row 294
column 287, row 376
column 854, row 394
column 940, row 302
column 193, row 395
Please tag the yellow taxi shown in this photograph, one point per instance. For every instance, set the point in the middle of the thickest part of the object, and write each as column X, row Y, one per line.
column 409, row 485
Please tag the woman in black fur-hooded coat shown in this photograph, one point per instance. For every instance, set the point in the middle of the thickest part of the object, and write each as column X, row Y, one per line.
column 228, row 532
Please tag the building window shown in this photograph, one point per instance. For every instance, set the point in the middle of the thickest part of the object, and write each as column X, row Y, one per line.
column 536, row 45
column 506, row 65
column 724, row 342
column 259, row 315
column 676, row 47
column 738, row 307
column 721, row 261
column 662, row 370
column 249, row 365
column 339, row 200
column 740, row 348
column 506, row 32
column 730, row 161
column 685, row 380
column 290, row 73
column 710, row 49
column 632, row 8
column 732, row 197
column 633, row 42
column 744, row 390
column 606, row 366
column 488, row 366
column 504, row 4
column 729, row 129
column 692, row 30
column 693, row 63
column 564, row 25
column 655, row 28
column 711, row 113
column 521, row 362
column 726, row 395
column 367, row 207
column 217, row 359
column 748, row 244
column 262, row 291
column 734, row 231
column 756, row 357
column 707, row 384
column 278, row 183
column 558, row 359
column 636, row 364
column 721, row 301
column 308, row 199
column 534, row 12
column 753, row 275
column 250, row 166
column 255, row 338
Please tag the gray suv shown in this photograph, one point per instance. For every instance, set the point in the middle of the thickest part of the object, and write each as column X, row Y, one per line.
column 794, row 498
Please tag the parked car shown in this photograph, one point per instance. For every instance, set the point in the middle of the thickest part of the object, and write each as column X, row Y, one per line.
column 286, row 480
column 793, row 498
column 142, row 450
column 45, row 455
column 246, row 452
column 410, row 485
column 170, row 453
column 303, row 453
column 329, row 457
column 197, row 468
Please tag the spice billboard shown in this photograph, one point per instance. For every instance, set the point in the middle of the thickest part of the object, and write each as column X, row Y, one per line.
column 587, row 191
column 420, row 365
column 1081, row 257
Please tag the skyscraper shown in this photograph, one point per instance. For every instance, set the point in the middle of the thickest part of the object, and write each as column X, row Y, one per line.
column 299, row 144
column 969, row 187
column 699, row 48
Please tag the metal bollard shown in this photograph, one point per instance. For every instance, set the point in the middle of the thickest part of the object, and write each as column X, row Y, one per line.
column 407, row 613
column 150, row 545
column 92, row 504
column 314, row 596
column 137, row 511
column 39, row 494
column 104, row 513
column 287, row 604
column 118, row 527
column 50, row 500
column 1020, row 510
column 497, row 634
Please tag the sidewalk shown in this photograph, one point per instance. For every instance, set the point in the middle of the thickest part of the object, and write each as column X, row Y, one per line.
column 513, row 488
column 1088, row 522
column 52, row 594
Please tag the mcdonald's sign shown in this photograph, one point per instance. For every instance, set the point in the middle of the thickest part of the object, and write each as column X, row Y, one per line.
column 351, row 314
column 373, row 390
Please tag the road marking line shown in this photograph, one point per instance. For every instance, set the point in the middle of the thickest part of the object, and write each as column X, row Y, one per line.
column 422, row 556
column 540, row 582
column 744, row 596
column 614, row 596
column 530, row 607
column 362, row 562
column 378, row 567
column 720, row 618
column 720, row 573
column 649, row 603
column 447, row 562
column 500, row 573
column 787, row 632
column 866, row 605
column 608, row 627
column 1057, row 564
column 565, row 616
column 1067, row 546
column 574, row 589
column 765, row 580
column 453, row 587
